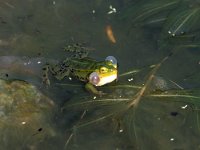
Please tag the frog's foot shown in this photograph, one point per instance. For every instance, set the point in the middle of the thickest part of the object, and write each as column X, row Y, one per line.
column 101, row 93
column 89, row 87
column 45, row 78
column 46, row 82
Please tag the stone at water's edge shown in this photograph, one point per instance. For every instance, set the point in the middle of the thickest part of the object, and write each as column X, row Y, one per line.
column 23, row 68
column 25, row 115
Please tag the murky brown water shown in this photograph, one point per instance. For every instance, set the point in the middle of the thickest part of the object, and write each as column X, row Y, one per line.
column 39, row 30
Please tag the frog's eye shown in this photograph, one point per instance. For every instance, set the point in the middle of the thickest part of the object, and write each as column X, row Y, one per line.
column 103, row 69
column 94, row 78
column 112, row 59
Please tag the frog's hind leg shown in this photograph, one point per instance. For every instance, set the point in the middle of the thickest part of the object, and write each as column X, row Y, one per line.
column 45, row 76
column 79, row 50
column 63, row 73
column 49, row 68
column 61, row 70
column 80, row 55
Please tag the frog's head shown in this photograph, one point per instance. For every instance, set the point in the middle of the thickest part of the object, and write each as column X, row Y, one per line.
column 105, row 72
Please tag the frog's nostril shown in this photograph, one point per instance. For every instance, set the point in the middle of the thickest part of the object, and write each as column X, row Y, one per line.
column 94, row 78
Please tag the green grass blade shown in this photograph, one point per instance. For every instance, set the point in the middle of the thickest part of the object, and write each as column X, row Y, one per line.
column 143, row 10
column 184, row 20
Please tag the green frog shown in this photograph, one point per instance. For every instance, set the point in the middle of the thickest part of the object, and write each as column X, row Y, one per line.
column 93, row 73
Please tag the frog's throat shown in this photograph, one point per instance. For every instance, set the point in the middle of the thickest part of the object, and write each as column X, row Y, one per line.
column 107, row 78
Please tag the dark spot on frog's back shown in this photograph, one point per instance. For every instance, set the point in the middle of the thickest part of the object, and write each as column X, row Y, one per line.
column 72, row 70
column 63, row 65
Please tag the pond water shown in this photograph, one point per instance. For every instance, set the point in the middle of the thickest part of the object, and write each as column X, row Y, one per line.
column 153, row 105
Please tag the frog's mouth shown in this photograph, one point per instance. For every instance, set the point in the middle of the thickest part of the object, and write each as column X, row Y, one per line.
column 107, row 78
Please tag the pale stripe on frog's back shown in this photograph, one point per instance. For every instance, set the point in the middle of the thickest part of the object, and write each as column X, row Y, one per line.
column 81, row 68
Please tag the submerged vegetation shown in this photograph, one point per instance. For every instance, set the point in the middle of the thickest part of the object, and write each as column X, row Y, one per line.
column 148, row 108
column 178, row 22
column 121, row 109
column 175, row 17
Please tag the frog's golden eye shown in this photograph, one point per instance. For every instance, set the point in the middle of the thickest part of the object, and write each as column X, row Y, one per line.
column 103, row 69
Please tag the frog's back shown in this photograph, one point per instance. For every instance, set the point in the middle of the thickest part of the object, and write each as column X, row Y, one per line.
column 82, row 64
column 81, row 68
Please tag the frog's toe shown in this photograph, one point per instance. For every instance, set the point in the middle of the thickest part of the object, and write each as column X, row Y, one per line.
column 46, row 82
column 101, row 93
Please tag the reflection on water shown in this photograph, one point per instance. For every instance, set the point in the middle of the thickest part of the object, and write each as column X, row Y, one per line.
column 136, row 33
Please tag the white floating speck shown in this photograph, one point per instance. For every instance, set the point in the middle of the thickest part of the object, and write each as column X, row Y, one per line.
column 171, row 139
column 158, row 118
column 39, row 62
column 54, row 2
column 131, row 79
column 94, row 97
column 27, row 63
column 169, row 32
column 112, row 10
column 70, row 78
column 121, row 130
column 184, row 107
column 93, row 11
column 23, row 122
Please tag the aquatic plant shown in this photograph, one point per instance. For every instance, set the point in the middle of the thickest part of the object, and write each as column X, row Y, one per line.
column 175, row 18
column 122, row 109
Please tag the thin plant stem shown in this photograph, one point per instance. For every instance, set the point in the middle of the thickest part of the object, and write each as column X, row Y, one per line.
column 72, row 134
column 138, row 96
